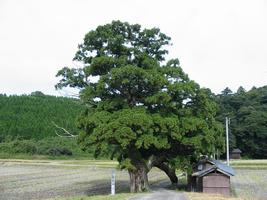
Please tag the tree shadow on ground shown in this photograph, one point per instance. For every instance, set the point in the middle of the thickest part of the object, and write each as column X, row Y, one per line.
column 103, row 187
column 166, row 184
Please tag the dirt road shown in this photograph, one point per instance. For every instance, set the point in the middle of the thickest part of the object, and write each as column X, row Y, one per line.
column 161, row 195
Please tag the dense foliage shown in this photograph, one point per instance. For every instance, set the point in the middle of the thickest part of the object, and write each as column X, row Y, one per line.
column 27, row 125
column 32, row 116
column 142, row 111
column 248, row 113
column 17, row 147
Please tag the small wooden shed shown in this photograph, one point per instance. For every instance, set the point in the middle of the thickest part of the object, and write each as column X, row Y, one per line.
column 212, row 176
column 236, row 154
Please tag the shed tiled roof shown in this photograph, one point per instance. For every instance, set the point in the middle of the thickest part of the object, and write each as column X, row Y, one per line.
column 216, row 166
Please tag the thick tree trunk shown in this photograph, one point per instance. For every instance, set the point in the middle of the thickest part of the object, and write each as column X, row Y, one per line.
column 170, row 172
column 138, row 175
column 138, row 179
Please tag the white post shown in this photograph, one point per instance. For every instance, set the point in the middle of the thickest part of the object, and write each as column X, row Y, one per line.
column 227, row 141
column 113, row 177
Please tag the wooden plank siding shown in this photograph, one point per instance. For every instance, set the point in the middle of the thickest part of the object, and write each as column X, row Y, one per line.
column 216, row 183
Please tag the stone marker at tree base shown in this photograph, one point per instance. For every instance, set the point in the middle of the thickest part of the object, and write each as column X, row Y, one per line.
column 113, row 180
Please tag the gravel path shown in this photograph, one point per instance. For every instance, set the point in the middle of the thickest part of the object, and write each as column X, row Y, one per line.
column 161, row 195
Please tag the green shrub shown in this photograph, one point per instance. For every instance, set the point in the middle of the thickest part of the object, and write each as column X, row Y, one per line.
column 48, row 144
column 52, row 146
column 6, row 147
column 59, row 152
column 25, row 146
column 18, row 146
column 2, row 138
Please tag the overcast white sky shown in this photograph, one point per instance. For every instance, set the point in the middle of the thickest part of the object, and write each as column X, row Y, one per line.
column 219, row 43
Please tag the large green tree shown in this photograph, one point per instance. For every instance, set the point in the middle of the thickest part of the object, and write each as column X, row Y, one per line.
column 143, row 111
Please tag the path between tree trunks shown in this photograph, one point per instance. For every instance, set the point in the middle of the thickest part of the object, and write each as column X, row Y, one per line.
column 161, row 194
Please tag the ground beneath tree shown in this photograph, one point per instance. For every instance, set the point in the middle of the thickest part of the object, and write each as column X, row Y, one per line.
column 161, row 194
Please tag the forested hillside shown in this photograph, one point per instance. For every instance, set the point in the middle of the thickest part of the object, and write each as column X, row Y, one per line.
column 32, row 116
column 248, row 124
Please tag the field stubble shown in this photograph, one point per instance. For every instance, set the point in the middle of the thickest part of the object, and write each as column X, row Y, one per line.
column 51, row 179
column 56, row 179
column 250, row 181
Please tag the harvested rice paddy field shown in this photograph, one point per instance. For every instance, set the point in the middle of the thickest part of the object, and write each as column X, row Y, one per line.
column 26, row 179
column 76, row 179
column 250, row 182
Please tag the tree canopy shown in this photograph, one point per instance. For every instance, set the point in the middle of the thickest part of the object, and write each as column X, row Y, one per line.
column 142, row 110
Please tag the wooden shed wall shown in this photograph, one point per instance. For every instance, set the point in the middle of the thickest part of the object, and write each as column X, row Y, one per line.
column 216, row 183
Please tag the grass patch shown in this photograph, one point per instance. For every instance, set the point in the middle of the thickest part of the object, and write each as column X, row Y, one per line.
column 249, row 164
column 121, row 196
column 204, row 196
column 63, row 163
column 6, row 155
column 250, row 167
column 92, row 162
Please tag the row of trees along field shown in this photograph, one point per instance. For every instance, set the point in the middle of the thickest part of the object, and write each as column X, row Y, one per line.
column 31, row 117
column 34, row 116
column 248, row 114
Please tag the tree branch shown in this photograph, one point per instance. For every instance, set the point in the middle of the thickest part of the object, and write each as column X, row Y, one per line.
column 66, row 133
